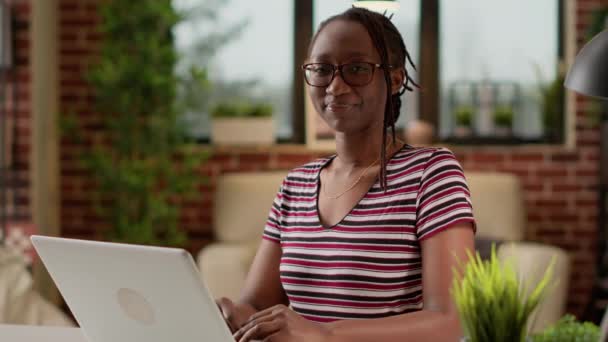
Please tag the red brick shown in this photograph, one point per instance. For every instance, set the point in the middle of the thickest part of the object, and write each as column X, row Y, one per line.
column 534, row 218
column 565, row 157
column 487, row 157
column 68, row 37
column 527, row 157
column 94, row 37
column 588, row 138
column 68, row 7
column 561, row 187
column 551, row 172
column 564, row 218
column 22, row 8
column 253, row 159
column 529, row 188
column 587, row 172
column 552, row 233
column 586, row 203
column 551, row 203
column 78, row 23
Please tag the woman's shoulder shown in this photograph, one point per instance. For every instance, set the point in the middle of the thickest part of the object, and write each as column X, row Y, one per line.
column 410, row 153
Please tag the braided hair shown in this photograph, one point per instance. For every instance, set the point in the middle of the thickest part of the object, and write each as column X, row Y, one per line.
column 392, row 50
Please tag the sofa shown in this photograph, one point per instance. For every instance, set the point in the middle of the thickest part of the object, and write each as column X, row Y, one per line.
column 19, row 302
column 242, row 202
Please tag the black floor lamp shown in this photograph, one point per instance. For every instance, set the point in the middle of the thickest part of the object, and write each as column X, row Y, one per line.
column 589, row 76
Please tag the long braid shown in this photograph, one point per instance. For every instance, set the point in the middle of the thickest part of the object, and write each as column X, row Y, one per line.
column 390, row 46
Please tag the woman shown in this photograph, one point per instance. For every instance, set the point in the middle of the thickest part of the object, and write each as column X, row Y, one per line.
column 360, row 245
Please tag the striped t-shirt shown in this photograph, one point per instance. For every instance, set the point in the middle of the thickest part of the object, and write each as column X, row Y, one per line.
column 369, row 264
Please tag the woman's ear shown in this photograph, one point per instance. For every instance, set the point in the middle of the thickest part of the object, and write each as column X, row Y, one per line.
column 397, row 78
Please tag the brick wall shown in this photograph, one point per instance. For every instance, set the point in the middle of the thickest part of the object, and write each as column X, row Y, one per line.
column 559, row 184
column 17, row 108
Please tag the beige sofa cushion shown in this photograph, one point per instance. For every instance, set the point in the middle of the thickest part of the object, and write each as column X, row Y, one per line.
column 224, row 267
column 530, row 260
column 498, row 205
column 19, row 302
column 242, row 202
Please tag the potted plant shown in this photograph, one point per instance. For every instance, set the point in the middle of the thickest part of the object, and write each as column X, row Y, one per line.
column 567, row 329
column 142, row 168
column 463, row 116
column 552, row 108
column 242, row 123
column 491, row 302
column 503, row 120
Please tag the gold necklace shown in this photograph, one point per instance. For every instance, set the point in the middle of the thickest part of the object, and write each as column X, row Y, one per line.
column 358, row 178
column 352, row 185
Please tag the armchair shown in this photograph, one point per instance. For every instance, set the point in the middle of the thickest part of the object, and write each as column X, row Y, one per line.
column 242, row 202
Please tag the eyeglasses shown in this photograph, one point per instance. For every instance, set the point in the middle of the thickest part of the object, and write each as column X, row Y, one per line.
column 354, row 74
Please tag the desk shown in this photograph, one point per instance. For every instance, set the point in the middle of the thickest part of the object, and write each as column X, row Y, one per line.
column 22, row 333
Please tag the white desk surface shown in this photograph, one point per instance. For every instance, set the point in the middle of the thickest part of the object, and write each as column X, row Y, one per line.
column 23, row 333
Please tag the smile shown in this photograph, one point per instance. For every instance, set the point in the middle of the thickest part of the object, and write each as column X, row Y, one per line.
column 338, row 107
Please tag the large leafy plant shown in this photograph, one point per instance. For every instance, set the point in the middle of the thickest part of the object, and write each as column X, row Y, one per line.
column 492, row 303
column 142, row 169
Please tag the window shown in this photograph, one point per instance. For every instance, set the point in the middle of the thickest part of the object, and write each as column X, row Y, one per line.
column 495, row 62
column 486, row 63
column 247, row 51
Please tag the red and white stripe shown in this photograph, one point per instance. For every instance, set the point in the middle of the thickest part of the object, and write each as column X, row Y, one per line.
column 369, row 264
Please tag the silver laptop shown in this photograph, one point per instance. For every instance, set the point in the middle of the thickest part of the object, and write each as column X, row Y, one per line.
column 125, row 293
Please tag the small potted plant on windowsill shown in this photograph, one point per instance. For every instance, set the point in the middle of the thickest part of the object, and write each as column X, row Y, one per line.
column 242, row 124
column 463, row 116
column 503, row 121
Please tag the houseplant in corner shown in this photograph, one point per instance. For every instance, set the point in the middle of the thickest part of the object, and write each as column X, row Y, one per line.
column 242, row 123
column 491, row 301
column 142, row 168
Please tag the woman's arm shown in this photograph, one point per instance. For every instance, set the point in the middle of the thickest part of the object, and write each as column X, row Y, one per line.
column 438, row 321
column 263, row 287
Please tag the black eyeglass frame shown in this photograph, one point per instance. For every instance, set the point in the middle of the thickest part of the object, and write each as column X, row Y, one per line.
column 339, row 67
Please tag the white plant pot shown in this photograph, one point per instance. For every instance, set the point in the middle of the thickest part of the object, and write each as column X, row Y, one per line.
column 503, row 131
column 242, row 131
column 463, row 131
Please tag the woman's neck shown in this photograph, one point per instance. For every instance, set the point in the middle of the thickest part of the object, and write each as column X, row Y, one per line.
column 360, row 151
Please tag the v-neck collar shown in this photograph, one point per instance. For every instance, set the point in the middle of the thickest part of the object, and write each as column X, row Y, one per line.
column 318, row 188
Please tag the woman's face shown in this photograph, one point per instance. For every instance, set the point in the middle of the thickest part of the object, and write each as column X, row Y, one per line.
column 345, row 108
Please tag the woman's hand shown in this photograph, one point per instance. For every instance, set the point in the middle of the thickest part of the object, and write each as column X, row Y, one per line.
column 234, row 315
column 279, row 323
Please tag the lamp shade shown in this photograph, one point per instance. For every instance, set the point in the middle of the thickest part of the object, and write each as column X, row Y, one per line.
column 378, row 6
column 588, row 74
